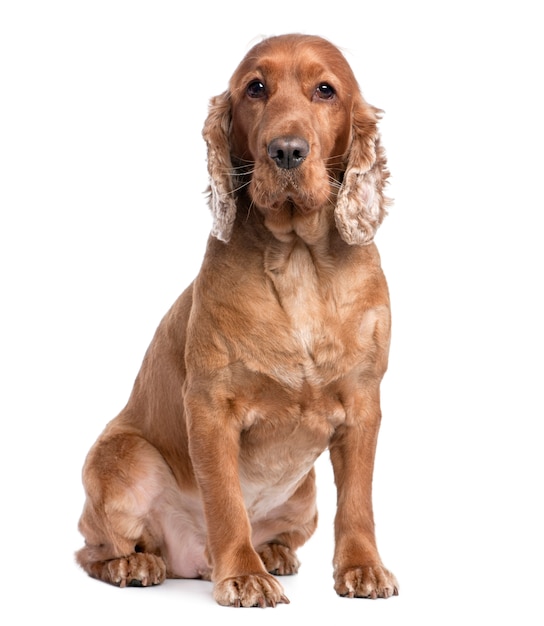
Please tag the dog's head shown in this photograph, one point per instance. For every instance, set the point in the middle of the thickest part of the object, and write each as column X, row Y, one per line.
column 294, row 132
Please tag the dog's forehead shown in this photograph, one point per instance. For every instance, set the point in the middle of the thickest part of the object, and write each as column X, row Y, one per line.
column 297, row 55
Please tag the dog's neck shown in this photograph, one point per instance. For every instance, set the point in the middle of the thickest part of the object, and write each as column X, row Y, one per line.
column 296, row 244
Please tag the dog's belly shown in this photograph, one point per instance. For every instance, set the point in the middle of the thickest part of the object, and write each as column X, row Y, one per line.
column 266, row 489
column 280, row 448
column 180, row 518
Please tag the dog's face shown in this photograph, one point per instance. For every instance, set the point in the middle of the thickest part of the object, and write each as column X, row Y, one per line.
column 294, row 132
column 292, row 104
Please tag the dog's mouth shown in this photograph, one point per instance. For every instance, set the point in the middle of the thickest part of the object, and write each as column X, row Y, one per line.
column 291, row 203
column 286, row 191
column 293, row 207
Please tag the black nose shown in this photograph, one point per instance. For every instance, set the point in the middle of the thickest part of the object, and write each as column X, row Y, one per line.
column 288, row 152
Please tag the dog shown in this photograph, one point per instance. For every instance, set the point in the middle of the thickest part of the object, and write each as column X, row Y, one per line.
column 272, row 355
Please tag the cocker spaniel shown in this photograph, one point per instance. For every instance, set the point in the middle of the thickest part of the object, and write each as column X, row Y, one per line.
column 272, row 355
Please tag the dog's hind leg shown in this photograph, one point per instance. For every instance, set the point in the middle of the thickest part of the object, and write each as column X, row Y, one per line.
column 133, row 570
column 123, row 476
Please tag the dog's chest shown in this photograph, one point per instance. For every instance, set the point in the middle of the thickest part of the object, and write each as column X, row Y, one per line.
column 291, row 388
column 311, row 304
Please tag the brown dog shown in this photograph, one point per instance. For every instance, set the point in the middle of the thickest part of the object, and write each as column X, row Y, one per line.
column 272, row 355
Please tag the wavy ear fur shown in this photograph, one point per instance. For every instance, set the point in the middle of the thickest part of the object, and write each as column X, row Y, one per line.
column 361, row 205
column 216, row 134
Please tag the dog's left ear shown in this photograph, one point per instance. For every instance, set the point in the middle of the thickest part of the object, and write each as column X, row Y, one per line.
column 216, row 134
column 361, row 205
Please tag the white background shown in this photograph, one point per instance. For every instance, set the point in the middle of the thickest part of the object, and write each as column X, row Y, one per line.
column 104, row 222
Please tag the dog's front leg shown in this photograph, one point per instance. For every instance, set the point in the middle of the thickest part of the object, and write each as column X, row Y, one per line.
column 238, row 573
column 358, row 570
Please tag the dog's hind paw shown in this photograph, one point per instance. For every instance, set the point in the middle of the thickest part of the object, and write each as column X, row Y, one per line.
column 278, row 559
column 135, row 570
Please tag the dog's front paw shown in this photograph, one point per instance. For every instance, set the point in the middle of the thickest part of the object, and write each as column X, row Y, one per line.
column 372, row 581
column 252, row 590
column 278, row 559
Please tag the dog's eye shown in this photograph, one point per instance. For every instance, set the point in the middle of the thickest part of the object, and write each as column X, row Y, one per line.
column 324, row 91
column 256, row 89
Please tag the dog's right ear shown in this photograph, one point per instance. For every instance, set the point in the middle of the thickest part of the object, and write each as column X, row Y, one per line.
column 216, row 134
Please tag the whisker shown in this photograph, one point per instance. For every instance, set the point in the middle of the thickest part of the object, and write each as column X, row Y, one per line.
column 238, row 169
column 334, row 182
column 245, row 166
column 249, row 208
column 239, row 187
column 242, row 160
column 337, row 157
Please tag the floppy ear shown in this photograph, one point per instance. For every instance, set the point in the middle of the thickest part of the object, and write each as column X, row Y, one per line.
column 221, row 198
column 361, row 205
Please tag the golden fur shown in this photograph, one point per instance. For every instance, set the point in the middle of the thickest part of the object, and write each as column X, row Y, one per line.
column 272, row 355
